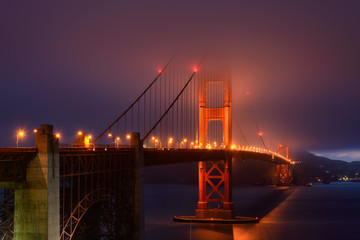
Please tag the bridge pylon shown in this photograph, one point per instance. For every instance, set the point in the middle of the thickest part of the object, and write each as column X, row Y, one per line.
column 215, row 177
column 284, row 174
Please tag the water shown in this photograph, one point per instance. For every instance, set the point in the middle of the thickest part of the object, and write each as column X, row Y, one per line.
column 318, row 212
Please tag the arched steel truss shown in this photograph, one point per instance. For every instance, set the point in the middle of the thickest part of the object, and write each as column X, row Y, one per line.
column 83, row 206
column 89, row 177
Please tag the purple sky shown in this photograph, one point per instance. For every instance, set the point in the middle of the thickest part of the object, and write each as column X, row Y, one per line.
column 78, row 64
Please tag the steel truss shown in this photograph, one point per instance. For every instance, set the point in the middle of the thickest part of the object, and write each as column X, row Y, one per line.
column 101, row 181
column 6, row 214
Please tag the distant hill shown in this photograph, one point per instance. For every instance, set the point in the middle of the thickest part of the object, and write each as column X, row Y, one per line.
column 312, row 167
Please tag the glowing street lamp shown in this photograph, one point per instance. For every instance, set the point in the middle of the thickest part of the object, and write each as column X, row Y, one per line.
column 117, row 141
column 170, row 142
column 19, row 134
column 128, row 137
column 185, row 142
column 111, row 139
column 153, row 139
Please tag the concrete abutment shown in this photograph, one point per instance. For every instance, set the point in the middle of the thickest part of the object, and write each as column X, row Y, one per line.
column 37, row 202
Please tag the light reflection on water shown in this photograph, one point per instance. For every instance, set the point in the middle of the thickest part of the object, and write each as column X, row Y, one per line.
column 320, row 212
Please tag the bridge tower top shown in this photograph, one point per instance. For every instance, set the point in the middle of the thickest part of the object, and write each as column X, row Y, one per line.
column 222, row 112
column 283, row 150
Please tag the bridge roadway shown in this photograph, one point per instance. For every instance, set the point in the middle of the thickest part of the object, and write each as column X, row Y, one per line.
column 13, row 161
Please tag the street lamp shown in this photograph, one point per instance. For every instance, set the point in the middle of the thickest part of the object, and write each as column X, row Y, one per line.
column 185, row 142
column 19, row 134
column 153, row 138
column 170, row 142
column 111, row 139
column 117, row 140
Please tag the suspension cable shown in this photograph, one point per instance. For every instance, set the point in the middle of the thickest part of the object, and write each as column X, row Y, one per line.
column 172, row 104
column 142, row 94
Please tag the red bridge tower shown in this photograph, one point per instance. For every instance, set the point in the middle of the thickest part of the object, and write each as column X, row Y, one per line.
column 215, row 177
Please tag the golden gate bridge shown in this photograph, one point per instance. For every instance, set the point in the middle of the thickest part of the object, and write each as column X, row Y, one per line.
column 54, row 191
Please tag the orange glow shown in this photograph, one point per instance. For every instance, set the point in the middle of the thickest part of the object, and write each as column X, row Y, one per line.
column 195, row 69
column 260, row 133
column 109, row 135
column 128, row 136
column 35, row 130
column 57, row 135
column 153, row 138
column 185, row 140
column 21, row 133
column 80, row 133
column 89, row 137
column 118, row 138
column 159, row 70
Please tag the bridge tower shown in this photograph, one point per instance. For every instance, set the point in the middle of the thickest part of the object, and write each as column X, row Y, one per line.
column 283, row 173
column 215, row 177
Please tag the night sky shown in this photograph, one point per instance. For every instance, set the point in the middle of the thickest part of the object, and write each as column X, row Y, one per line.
column 79, row 64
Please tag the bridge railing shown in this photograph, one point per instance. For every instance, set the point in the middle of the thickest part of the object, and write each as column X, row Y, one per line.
column 97, row 146
column 18, row 149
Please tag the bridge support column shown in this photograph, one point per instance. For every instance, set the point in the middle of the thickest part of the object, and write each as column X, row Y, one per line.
column 37, row 202
column 213, row 177
column 284, row 171
column 283, row 175
column 139, row 219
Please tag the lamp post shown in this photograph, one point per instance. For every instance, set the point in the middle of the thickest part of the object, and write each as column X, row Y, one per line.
column 117, row 140
column 170, row 142
column 19, row 134
column 111, row 139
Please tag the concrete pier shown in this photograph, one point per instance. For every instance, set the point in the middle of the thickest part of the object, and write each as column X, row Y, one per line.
column 138, row 177
column 37, row 202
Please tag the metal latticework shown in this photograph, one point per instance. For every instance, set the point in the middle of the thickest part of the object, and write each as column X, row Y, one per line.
column 102, row 182
column 6, row 214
